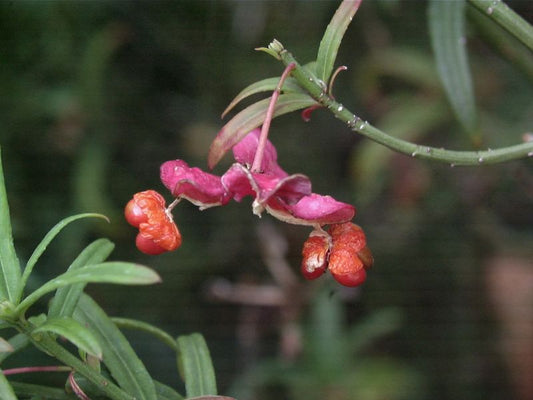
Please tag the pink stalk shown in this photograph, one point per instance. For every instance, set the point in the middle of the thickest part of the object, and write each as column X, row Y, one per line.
column 332, row 80
column 258, row 159
column 47, row 368
column 80, row 394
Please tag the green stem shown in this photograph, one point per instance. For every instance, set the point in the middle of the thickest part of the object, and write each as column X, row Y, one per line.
column 492, row 34
column 467, row 158
column 50, row 346
column 500, row 13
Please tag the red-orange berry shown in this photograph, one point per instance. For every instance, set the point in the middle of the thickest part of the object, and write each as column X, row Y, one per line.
column 349, row 255
column 350, row 279
column 157, row 231
column 148, row 246
column 350, row 234
column 162, row 230
column 134, row 214
column 315, row 256
column 137, row 209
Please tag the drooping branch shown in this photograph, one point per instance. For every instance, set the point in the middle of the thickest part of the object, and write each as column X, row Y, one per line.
column 316, row 89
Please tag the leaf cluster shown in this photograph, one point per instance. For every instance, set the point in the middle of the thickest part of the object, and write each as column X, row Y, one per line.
column 107, row 366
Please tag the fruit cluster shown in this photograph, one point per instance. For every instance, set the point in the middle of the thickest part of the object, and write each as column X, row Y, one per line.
column 157, row 231
column 342, row 250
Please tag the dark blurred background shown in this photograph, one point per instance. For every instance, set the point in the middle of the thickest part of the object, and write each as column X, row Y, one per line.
column 95, row 95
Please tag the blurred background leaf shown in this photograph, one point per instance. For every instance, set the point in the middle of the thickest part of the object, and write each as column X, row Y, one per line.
column 446, row 20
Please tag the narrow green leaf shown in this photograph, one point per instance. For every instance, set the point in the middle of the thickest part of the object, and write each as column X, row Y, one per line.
column 40, row 392
column 9, row 263
column 66, row 298
column 6, row 391
column 158, row 333
column 118, row 355
column 74, row 332
column 195, row 364
column 329, row 45
column 250, row 118
column 39, row 250
column 447, row 31
column 289, row 86
column 269, row 51
column 165, row 392
column 17, row 342
column 121, row 273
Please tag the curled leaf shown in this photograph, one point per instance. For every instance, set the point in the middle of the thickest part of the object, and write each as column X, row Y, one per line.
column 41, row 247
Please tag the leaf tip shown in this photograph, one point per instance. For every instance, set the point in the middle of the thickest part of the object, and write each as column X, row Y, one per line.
column 274, row 49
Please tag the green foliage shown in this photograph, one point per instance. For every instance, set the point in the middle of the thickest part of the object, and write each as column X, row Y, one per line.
column 6, row 391
column 337, row 360
column 41, row 247
column 75, row 317
column 330, row 43
column 9, row 265
column 73, row 331
column 66, row 298
column 118, row 356
column 195, row 365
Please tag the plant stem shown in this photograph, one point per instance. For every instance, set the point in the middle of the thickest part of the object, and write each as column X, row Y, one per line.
column 44, row 368
column 109, row 388
column 500, row 13
column 258, row 159
column 466, row 158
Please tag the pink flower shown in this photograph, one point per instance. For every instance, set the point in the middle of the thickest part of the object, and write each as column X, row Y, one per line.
column 200, row 188
column 287, row 197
